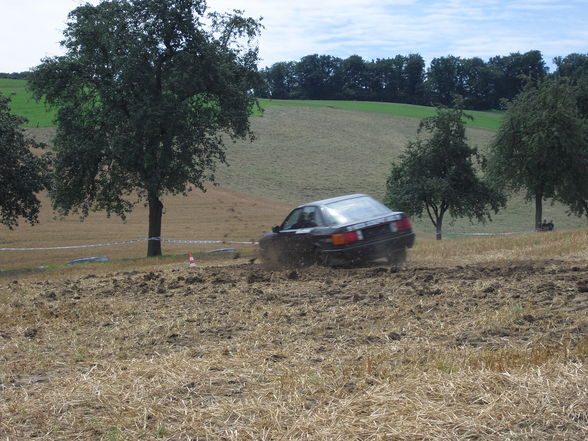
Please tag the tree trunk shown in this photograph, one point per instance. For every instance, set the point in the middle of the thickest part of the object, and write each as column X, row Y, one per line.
column 155, row 214
column 538, row 210
column 438, row 227
column 436, row 216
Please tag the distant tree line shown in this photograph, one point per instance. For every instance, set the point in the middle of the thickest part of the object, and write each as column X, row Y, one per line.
column 404, row 79
column 14, row 75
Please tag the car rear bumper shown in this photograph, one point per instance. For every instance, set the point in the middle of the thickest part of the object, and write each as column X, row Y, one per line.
column 370, row 250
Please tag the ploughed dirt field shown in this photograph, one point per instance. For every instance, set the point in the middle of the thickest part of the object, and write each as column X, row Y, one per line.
column 494, row 350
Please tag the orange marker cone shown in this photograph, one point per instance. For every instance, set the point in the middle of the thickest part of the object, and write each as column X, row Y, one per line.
column 191, row 261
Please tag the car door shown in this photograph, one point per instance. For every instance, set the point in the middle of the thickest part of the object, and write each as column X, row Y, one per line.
column 303, row 240
column 282, row 241
column 295, row 235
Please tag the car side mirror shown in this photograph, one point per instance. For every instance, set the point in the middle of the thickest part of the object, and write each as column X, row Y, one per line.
column 276, row 229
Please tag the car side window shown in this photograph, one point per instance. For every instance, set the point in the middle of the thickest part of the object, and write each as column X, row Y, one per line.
column 291, row 219
column 305, row 217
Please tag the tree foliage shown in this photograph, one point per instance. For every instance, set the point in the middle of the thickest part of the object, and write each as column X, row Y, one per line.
column 437, row 174
column 404, row 79
column 144, row 94
column 574, row 68
column 541, row 146
column 398, row 79
column 22, row 173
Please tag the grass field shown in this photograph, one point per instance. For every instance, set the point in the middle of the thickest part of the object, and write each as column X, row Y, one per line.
column 217, row 215
column 39, row 116
column 482, row 120
column 300, row 154
column 324, row 148
column 23, row 104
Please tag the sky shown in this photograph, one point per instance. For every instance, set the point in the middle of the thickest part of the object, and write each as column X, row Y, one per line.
column 31, row 29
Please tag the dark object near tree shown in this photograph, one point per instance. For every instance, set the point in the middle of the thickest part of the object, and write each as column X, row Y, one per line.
column 437, row 174
column 143, row 94
column 547, row 226
column 22, row 174
column 347, row 229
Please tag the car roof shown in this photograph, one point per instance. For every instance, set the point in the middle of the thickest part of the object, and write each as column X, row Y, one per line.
column 335, row 199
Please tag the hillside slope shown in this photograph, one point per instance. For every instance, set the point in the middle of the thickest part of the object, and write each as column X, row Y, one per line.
column 303, row 154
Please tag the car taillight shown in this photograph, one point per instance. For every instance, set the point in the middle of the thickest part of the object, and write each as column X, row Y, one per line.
column 348, row 237
column 403, row 224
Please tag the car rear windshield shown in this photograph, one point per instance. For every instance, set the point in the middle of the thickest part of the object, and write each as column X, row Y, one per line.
column 354, row 210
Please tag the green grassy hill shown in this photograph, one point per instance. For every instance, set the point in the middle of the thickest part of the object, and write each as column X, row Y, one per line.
column 482, row 120
column 40, row 116
column 23, row 104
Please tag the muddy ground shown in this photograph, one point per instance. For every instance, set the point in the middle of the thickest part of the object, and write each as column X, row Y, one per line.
column 304, row 341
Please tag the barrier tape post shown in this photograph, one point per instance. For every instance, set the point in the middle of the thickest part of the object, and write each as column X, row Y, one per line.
column 191, row 261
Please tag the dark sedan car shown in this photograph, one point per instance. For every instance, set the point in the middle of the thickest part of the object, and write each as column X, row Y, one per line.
column 347, row 229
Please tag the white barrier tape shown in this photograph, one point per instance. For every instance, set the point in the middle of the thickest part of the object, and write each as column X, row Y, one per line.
column 71, row 247
column 207, row 241
column 126, row 242
column 508, row 233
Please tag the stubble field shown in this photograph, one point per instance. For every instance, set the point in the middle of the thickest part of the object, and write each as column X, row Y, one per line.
column 478, row 345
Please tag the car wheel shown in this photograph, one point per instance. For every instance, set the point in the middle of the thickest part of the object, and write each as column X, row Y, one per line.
column 397, row 257
column 320, row 258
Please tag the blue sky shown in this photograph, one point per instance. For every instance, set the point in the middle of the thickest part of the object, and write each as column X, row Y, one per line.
column 31, row 29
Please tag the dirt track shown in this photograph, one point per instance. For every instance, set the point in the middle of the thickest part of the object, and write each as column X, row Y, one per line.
column 253, row 332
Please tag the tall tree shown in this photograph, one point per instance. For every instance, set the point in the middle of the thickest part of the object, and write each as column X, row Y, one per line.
column 280, row 80
column 317, row 76
column 353, row 74
column 22, row 173
column 512, row 72
column 437, row 174
column 478, row 84
column 540, row 147
column 575, row 68
column 414, row 76
column 386, row 78
column 444, row 80
column 572, row 66
column 143, row 95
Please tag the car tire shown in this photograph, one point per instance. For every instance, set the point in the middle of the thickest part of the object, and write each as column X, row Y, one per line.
column 397, row 257
column 320, row 258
